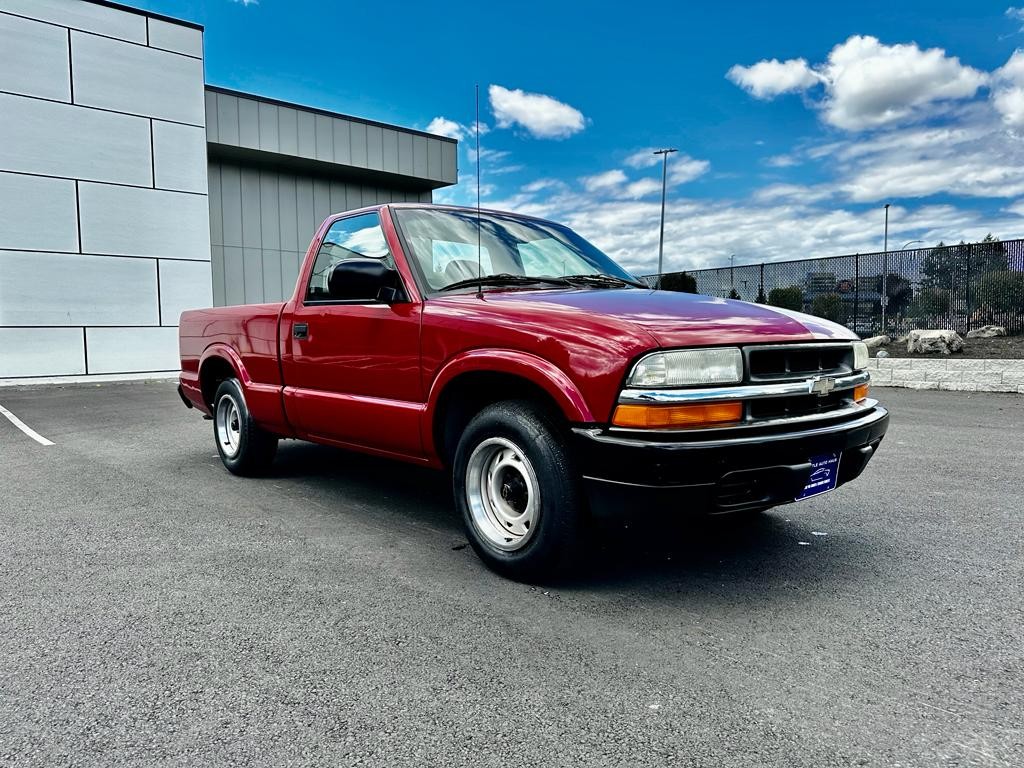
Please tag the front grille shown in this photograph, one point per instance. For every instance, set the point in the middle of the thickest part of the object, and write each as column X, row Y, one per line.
column 793, row 362
column 796, row 405
column 778, row 363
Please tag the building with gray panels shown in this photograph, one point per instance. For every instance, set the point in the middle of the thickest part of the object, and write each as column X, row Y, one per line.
column 130, row 190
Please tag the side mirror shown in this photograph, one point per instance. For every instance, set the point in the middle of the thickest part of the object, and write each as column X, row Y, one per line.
column 364, row 280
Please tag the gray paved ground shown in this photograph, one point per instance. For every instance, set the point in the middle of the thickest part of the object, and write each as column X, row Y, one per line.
column 156, row 610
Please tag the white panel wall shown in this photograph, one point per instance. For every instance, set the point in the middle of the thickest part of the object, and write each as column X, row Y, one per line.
column 144, row 222
column 38, row 212
column 36, row 59
column 131, row 350
column 104, row 232
column 28, row 352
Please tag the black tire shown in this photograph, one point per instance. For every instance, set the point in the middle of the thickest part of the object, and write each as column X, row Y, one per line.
column 553, row 541
column 249, row 450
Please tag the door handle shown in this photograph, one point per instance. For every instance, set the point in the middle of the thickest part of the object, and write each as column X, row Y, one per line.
column 300, row 330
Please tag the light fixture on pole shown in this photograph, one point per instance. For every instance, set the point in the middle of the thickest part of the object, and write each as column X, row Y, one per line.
column 885, row 268
column 910, row 242
column 664, row 186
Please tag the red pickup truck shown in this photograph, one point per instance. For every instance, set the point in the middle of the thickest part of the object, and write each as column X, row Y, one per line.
column 547, row 379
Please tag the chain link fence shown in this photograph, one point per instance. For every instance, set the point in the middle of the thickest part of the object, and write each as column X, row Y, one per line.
column 959, row 287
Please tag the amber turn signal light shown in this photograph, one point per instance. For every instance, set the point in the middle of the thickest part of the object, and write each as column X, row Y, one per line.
column 860, row 393
column 679, row 416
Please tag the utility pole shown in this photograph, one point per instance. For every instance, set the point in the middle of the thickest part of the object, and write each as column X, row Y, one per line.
column 732, row 280
column 885, row 268
column 664, row 186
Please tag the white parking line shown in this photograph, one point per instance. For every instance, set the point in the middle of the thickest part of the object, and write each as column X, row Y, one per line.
column 24, row 427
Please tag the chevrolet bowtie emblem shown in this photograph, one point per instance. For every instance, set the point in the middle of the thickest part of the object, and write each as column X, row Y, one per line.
column 822, row 385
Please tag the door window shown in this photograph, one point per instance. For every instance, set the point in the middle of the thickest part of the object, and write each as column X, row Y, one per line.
column 358, row 237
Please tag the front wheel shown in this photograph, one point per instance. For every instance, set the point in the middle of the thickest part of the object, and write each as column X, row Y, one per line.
column 517, row 493
column 244, row 447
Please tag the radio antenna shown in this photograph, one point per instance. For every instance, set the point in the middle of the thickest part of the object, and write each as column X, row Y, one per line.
column 479, row 248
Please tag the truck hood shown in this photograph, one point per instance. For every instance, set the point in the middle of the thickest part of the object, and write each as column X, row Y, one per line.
column 680, row 319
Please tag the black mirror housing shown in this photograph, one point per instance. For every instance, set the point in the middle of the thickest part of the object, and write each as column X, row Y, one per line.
column 365, row 280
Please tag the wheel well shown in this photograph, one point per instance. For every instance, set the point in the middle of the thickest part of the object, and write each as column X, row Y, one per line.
column 211, row 374
column 469, row 393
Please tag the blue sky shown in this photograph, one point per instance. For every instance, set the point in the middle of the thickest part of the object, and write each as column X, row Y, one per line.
column 795, row 122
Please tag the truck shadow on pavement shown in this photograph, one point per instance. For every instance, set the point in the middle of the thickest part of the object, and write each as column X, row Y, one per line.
column 638, row 550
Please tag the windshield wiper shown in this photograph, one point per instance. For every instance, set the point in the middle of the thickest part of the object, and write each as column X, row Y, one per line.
column 505, row 278
column 603, row 279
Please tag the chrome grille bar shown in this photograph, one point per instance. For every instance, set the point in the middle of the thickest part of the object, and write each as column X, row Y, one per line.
column 739, row 391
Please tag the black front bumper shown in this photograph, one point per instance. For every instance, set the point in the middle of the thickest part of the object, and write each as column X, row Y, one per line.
column 624, row 471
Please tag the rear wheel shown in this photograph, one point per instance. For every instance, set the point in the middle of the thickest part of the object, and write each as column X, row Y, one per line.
column 245, row 448
column 517, row 493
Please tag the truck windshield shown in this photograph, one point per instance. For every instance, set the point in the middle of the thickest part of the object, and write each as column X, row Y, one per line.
column 444, row 245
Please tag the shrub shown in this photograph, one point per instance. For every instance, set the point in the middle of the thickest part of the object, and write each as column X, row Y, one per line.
column 679, row 281
column 787, row 298
column 930, row 301
column 829, row 306
column 1003, row 291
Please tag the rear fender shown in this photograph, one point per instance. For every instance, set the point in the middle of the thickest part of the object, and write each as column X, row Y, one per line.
column 263, row 400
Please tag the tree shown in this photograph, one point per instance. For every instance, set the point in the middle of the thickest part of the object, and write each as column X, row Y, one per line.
column 946, row 267
column 899, row 291
column 829, row 306
column 930, row 302
column 734, row 294
column 761, row 298
column 679, row 281
column 787, row 298
column 1002, row 291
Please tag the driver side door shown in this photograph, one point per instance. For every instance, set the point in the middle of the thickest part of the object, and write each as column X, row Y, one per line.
column 351, row 366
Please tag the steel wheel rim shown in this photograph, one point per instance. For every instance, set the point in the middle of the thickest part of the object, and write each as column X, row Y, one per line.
column 229, row 426
column 503, row 494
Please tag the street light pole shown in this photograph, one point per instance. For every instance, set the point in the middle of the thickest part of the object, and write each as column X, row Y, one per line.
column 664, row 186
column 885, row 268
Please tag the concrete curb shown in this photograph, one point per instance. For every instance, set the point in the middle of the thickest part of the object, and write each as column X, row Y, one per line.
column 958, row 375
column 99, row 378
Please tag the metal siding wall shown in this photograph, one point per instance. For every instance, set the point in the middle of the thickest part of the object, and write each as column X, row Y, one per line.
column 261, row 222
column 234, row 120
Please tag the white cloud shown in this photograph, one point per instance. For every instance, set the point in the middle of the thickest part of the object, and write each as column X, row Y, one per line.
column 769, row 78
column 247, row 3
column 542, row 116
column 1017, row 14
column 641, row 188
column 868, row 84
column 615, row 183
column 643, row 158
column 683, row 168
column 1008, row 90
column 871, row 84
column 442, row 126
column 781, row 161
column 601, row 182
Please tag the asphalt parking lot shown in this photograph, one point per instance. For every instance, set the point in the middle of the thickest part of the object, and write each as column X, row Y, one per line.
column 156, row 610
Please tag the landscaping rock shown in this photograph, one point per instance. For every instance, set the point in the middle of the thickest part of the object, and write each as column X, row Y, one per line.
column 934, row 341
column 986, row 332
column 875, row 342
column 882, row 353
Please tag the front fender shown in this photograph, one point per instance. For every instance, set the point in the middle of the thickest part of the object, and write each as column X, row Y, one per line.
column 536, row 370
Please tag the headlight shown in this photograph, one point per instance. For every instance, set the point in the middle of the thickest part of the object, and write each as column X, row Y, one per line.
column 688, row 367
column 860, row 355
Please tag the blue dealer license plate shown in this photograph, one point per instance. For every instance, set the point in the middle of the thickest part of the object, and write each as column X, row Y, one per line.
column 824, row 475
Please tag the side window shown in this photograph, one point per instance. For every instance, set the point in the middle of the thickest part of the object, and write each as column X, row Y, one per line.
column 358, row 237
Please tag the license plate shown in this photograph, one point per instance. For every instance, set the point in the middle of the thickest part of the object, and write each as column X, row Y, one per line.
column 824, row 475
